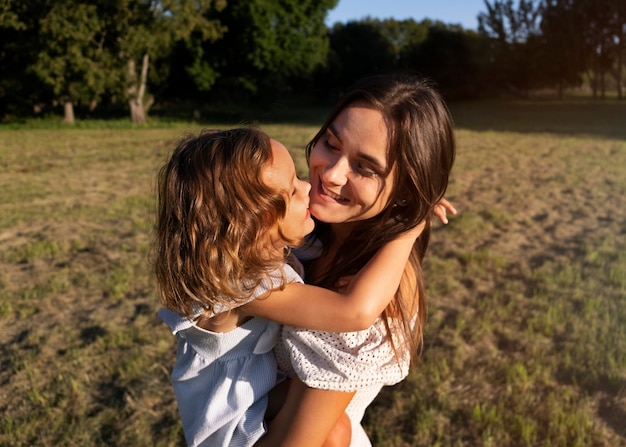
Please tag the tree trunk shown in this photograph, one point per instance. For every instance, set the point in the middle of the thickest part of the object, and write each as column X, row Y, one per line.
column 594, row 80
column 68, row 117
column 137, row 112
column 620, row 33
column 618, row 79
column 137, row 90
column 620, row 62
column 602, row 84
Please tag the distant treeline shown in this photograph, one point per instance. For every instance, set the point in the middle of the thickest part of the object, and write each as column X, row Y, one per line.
column 103, row 55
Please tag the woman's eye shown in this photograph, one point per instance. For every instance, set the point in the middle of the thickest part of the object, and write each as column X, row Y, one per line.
column 365, row 171
column 329, row 145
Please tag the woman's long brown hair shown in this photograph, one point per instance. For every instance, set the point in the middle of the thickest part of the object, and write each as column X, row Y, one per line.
column 422, row 151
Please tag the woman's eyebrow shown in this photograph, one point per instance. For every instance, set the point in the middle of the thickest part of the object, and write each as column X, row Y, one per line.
column 372, row 160
column 333, row 131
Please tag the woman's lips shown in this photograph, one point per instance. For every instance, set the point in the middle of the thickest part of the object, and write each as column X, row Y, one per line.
column 331, row 195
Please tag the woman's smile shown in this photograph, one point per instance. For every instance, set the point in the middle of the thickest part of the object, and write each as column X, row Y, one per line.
column 328, row 193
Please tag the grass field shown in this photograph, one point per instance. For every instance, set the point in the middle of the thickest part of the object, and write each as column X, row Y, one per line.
column 526, row 337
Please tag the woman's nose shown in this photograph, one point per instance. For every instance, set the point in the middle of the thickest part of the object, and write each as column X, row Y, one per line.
column 336, row 171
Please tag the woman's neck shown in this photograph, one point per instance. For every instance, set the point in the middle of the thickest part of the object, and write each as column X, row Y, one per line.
column 320, row 267
column 340, row 233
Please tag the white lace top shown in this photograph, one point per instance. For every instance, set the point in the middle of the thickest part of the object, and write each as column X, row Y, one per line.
column 362, row 361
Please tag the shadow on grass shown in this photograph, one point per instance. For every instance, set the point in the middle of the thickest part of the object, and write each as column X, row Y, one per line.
column 598, row 118
column 606, row 119
column 614, row 416
column 90, row 334
column 608, row 388
column 245, row 114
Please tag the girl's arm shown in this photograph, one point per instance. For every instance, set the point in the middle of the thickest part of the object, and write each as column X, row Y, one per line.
column 354, row 309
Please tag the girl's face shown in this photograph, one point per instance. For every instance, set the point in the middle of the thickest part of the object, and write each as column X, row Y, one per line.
column 281, row 174
column 348, row 166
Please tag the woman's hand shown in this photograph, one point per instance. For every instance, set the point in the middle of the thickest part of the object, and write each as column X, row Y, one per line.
column 442, row 208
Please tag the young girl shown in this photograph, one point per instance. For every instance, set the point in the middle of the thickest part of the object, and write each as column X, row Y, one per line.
column 229, row 207
column 379, row 165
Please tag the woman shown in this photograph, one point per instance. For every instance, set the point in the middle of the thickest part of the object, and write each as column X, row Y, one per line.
column 379, row 165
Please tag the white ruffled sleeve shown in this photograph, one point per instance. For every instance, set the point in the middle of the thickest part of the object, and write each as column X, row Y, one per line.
column 346, row 361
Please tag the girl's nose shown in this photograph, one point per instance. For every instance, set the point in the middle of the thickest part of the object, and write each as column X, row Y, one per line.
column 305, row 187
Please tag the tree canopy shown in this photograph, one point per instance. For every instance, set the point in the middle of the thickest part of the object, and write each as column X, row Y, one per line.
column 95, row 54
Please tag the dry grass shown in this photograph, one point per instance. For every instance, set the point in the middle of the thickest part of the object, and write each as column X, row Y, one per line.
column 525, row 345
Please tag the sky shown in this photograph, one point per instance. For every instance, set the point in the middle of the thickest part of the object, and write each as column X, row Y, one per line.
column 461, row 12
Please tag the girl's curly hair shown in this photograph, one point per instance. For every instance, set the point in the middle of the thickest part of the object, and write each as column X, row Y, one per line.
column 213, row 244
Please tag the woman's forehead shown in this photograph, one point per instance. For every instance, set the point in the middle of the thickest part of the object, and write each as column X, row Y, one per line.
column 363, row 131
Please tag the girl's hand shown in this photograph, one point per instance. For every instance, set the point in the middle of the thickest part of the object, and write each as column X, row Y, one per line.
column 442, row 208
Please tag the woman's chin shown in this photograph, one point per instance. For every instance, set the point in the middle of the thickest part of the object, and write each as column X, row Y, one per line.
column 328, row 214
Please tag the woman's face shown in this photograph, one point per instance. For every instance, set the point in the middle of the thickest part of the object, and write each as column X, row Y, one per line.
column 348, row 166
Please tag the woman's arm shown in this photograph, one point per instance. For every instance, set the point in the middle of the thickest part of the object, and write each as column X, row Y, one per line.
column 355, row 309
column 306, row 418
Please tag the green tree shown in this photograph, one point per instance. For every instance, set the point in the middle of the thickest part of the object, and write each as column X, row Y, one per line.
column 619, row 27
column 269, row 43
column 361, row 49
column 508, row 23
column 72, row 59
column 604, row 32
column 20, row 88
column 512, row 30
column 399, row 36
column 562, row 44
column 88, row 49
column 402, row 35
column 147, row 30
column 452, row 57
column 9, row 18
